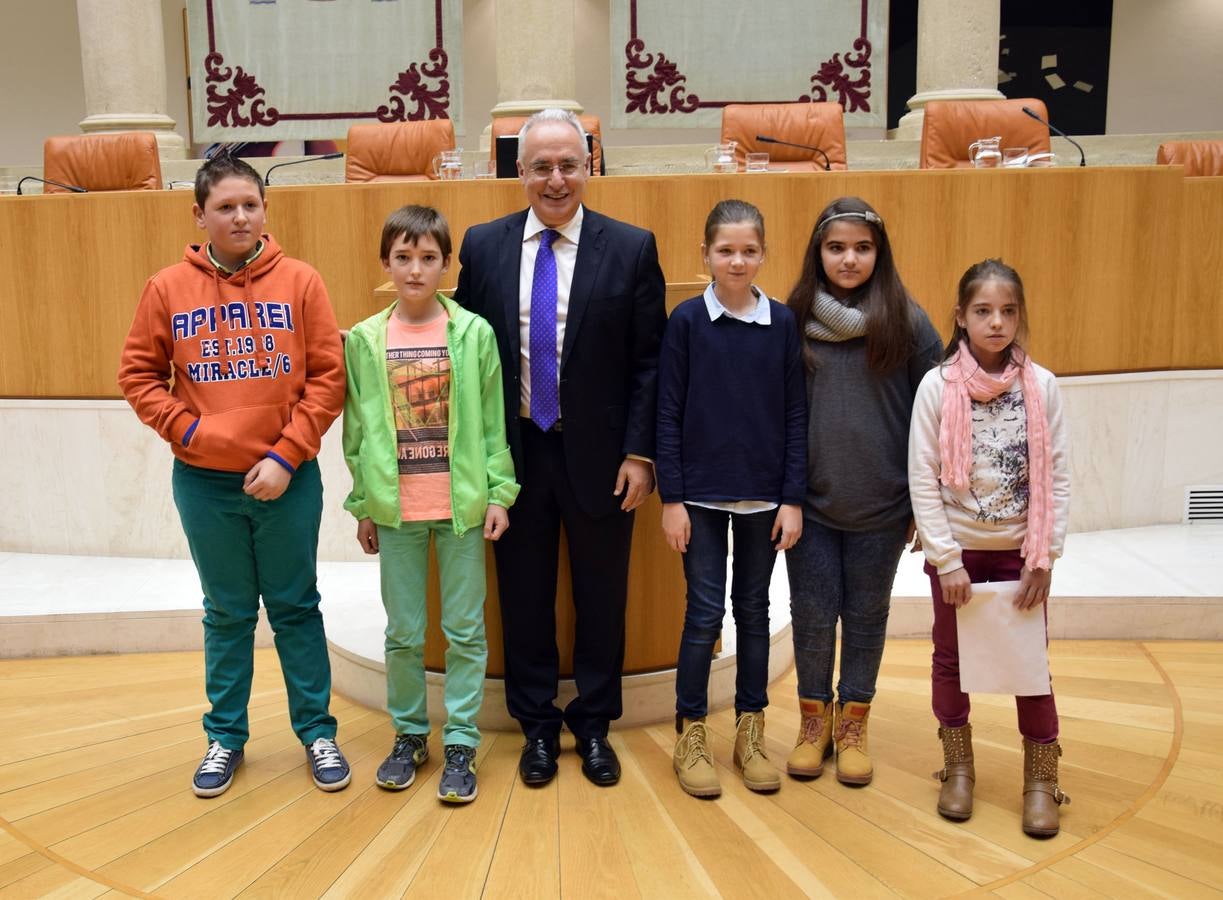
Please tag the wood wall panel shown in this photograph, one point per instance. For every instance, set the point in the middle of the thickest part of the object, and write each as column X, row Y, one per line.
column 1122, row 265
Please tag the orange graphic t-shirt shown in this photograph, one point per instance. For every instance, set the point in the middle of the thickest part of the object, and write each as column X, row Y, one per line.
column 418, row 366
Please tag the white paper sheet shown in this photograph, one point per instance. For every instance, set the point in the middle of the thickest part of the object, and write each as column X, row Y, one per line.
column 1002, row 649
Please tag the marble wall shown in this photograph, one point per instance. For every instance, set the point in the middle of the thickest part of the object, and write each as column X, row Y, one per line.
column 86, row 478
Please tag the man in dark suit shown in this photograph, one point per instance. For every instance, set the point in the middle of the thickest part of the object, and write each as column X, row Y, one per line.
column 576, row 301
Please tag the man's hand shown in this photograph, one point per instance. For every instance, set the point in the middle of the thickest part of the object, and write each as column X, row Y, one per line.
column 676, row 526
column 496, row 521
column 1033, row 588
column 266, row 480
column 788, row 525
column 637, row 476
column 957, row 588
column 367, row 536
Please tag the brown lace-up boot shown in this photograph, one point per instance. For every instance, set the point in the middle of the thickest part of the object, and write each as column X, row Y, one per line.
column 814, row 740
column 853, row 760
column 957, row 774
column 750, row 758
column 692, row 762
column 1041, row 794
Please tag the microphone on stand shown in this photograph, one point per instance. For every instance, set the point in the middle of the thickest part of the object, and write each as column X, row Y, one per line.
column 267, row 179
column 69, row 187
column 1059, row 132
column 769, row 140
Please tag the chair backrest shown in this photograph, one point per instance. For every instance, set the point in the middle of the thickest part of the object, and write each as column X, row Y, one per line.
column 125, row 161
column 396, row 151
column 814, row 124
column 1198, row 157
column 951, row 125
column 504, row 125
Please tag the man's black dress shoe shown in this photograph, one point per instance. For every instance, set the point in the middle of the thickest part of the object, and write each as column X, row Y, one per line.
column 599, row 761
column 537, row 765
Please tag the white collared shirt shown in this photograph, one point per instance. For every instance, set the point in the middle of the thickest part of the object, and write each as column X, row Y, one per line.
column 760, row 313
column 565, row 249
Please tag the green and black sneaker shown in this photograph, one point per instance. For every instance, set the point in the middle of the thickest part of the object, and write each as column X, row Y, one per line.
column 458, row 784
column 399, row 769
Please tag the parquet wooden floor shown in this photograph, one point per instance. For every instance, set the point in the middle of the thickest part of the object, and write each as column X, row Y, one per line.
column 96, row 754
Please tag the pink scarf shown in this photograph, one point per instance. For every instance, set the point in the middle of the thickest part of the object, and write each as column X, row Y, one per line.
column 964, row 381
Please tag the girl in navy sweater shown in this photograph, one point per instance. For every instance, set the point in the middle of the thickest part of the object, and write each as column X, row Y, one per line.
column 731, row 451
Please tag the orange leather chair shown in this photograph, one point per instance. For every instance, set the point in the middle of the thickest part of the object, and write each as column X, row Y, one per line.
column 814, row 124
column 126, row 161
column 396, row 151
column 1198, row 157
column 951, row 125
column 513, row 124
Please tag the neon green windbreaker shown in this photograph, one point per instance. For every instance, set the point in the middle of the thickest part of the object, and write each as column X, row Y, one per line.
column 481, row 469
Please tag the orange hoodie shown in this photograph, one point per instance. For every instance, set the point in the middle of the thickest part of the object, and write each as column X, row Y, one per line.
column 230, row 369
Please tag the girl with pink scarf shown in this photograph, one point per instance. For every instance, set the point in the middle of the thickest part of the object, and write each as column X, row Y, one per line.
column 989, row 481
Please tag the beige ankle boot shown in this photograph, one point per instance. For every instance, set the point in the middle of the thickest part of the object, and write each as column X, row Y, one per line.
column 814, row 740
column 957, row 775
column 849, row 733
column 692, row 761
column 1041, row 794
column 750, row 758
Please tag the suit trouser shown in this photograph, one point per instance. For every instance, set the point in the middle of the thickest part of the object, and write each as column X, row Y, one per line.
column 403, row 556
column 527, row 574
column 243, row 549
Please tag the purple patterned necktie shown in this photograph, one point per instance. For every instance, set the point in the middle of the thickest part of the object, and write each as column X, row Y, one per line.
column 545, row 401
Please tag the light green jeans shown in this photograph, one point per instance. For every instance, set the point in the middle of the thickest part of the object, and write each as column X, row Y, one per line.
column 404, row 562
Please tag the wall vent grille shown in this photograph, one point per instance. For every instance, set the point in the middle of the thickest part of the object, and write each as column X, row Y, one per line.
column 1204, row 503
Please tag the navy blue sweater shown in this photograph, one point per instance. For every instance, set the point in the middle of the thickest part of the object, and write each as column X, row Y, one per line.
column 732, row 408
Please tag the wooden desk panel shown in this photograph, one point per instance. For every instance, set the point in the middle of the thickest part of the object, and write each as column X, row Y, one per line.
column 1122, row 265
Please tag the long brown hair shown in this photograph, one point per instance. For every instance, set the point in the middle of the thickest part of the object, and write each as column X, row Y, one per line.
column 970, row 283
column 883, row 298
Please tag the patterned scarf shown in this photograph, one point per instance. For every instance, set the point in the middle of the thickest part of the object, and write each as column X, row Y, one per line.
column 966, row 381
column 833, row 320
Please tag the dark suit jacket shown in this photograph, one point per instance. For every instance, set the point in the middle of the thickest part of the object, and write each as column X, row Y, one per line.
column 609, row 360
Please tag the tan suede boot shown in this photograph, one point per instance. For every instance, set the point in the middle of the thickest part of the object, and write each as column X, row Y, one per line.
column 750, row 758
column 849, row 733
column 692, row 761
column 1041, row 794
column 814, row 740
column 957, row 775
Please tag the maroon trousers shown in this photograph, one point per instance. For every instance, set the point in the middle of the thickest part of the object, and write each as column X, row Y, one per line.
column 1037, row 715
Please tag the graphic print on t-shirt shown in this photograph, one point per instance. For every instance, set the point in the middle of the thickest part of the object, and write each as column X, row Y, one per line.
column 420, row 396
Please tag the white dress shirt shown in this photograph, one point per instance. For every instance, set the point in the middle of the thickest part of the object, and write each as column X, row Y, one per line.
column 565, row 249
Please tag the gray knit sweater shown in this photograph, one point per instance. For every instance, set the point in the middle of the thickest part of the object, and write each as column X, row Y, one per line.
column 858, row 431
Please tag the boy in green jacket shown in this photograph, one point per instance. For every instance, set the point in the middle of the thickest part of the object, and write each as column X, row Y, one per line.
column 424, row 438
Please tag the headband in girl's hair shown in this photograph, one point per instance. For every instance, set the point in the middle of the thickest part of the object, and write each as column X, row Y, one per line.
column 868, row 216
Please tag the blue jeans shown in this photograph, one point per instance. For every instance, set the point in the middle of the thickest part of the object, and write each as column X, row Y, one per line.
column 705, row 572
column 845, row 575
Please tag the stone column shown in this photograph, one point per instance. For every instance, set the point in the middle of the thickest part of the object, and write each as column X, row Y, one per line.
column 123, row 58
column 536, row 62
column 957, row 56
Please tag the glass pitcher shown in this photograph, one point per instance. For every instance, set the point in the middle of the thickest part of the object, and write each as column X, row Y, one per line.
column 720, row 159
column 986, row 153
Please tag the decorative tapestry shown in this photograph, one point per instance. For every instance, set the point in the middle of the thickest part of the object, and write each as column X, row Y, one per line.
column 677, row 64
column 273, row 70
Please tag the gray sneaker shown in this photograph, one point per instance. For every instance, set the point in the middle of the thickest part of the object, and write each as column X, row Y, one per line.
column 458, row 784
column 399, row 769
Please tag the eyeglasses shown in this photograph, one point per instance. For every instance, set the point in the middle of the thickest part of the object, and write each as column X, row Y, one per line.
column 542, row 170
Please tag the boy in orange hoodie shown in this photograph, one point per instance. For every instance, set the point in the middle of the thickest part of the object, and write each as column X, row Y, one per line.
column 234, row 358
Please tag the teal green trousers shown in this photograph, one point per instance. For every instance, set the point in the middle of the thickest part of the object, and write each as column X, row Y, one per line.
column 404, row 561
column 245, row 549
